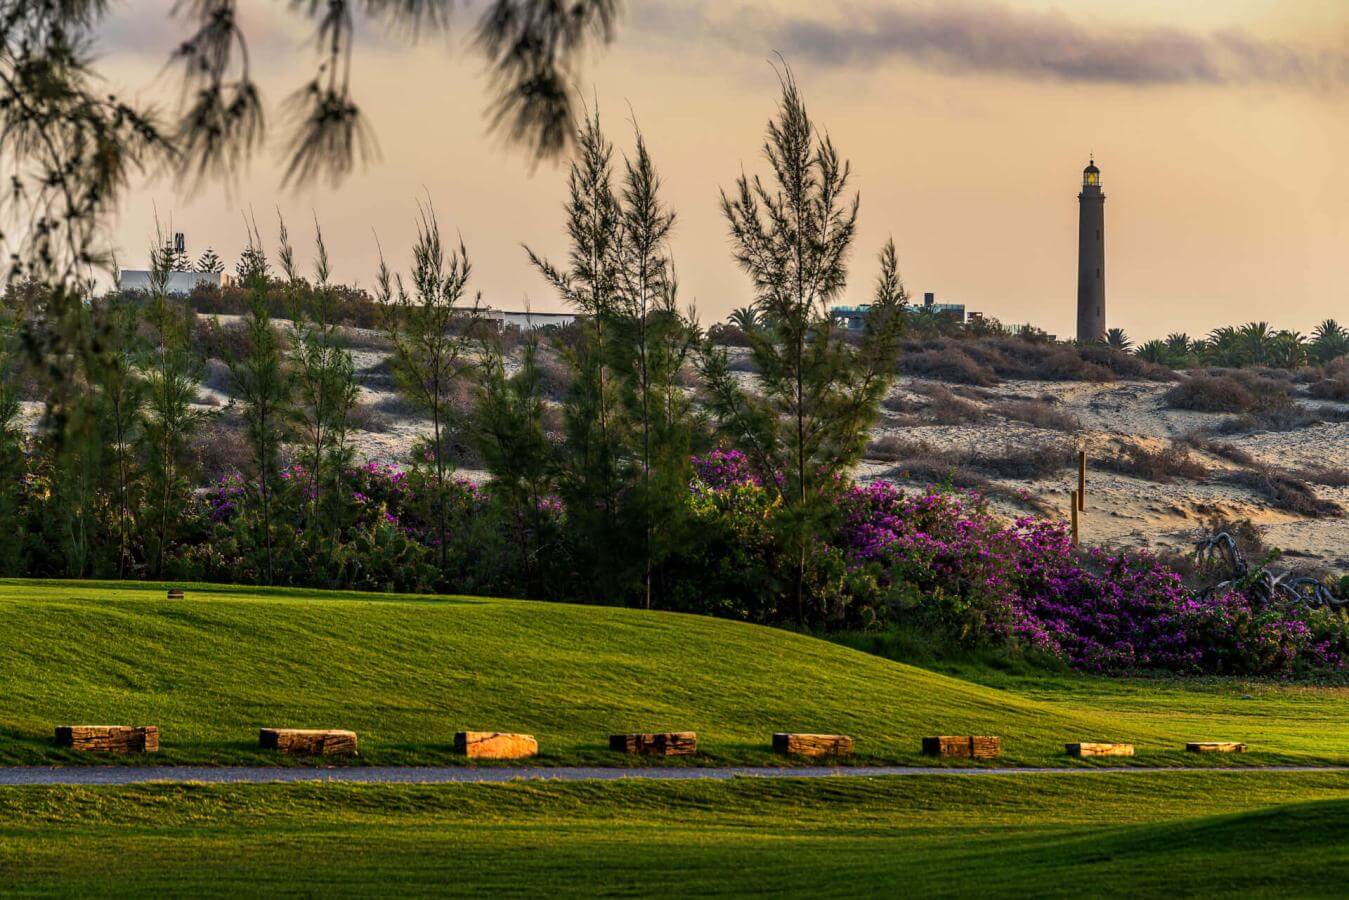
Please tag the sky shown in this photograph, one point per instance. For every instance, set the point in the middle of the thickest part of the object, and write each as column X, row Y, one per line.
column 1221, row 131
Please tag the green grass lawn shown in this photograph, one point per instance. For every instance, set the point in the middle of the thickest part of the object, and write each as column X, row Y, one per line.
column 1174, row 834
column 407, row 672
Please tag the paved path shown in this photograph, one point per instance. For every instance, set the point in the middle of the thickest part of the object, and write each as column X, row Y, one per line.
column 93, row 775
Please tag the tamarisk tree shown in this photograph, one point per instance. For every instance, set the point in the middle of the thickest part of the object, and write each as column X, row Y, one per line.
column 325, row 377
column 819, row 393
column 651, row 342
column 432, row 331
column 172, row 372
column 263, row 388
column 590, row 480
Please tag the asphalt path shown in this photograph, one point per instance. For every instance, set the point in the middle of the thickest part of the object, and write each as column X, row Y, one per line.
column 121, row 775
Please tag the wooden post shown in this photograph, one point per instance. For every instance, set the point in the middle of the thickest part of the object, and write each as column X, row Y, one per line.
column 1082, row 480
column 1076, row 535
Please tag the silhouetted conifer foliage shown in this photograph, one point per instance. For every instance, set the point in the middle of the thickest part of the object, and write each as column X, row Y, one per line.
column 817, row 393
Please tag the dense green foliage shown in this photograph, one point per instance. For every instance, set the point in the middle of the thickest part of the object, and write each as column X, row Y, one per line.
column 1155, row 835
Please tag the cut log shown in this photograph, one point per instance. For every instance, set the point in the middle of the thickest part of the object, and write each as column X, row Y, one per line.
column 175, row 593
column 109, row 738
column 308, row 741
column 1085, row 750
column 495, row 745
column 669, row 743
column 963, row 746
column 815, row 745
column 1215, row 747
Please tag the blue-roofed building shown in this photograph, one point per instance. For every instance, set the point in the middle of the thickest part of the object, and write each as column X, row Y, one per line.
column 854, row 318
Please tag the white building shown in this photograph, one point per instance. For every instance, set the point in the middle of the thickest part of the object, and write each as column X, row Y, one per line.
column 179, row 282
column 528, row 320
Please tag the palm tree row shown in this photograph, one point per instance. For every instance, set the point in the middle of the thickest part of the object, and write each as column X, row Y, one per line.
column 1252, row 344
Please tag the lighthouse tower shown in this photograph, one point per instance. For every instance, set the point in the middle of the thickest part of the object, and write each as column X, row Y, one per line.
column 1091, row 257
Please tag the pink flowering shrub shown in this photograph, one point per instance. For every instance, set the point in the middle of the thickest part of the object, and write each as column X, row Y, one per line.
column 940, row 561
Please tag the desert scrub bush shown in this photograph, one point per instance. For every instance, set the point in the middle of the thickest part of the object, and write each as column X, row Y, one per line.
column 1200, row 440
column 949, row 364
column 220, row 447
column 369, row 417
column 1229, row 392
column 1333, row 382
column 943, row 407
column 1027, row 463
column 1330, row 476
column 1125, row 365
column 1039, row 413
column 1163, row 464
column 1285, row 492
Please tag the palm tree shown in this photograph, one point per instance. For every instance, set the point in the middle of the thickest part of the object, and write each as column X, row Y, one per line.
column 746, row 318
column 1116, row 339
column 1257, row 340
column 1330, row 339
column 1222, row 347
column 1154, row 351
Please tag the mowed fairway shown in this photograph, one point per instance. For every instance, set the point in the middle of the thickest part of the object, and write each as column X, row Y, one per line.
column 407, row 672
column 1173, row 834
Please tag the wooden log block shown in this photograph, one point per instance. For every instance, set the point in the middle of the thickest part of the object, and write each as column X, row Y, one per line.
column 495, row 745
column 1085, row 750
column 175, row 593
column 814, row 745
column 109, row 738
column 1215, row 747
column 308, row 741
column 669, row 743
column 963, row 746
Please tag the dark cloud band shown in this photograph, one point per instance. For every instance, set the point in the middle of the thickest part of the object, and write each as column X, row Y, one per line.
column 990, row 38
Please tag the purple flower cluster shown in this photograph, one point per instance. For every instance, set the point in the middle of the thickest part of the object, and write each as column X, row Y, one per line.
column 1100, row 610
column 943, row 560
column 721, row 468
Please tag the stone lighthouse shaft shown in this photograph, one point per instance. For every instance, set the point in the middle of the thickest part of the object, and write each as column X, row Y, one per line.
column 1091, row 257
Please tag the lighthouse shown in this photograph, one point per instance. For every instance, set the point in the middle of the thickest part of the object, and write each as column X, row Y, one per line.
column 1091, row 257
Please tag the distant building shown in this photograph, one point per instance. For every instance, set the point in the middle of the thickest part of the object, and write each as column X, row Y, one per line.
column 854, row 318
column 1091, row 257
column 180, row 283
column 528, row 320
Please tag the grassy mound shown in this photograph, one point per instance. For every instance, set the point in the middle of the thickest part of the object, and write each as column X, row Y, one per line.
column 1158, row 834
column 407, row 672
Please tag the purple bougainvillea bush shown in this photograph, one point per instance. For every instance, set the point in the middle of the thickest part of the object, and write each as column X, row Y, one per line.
column 942, row 559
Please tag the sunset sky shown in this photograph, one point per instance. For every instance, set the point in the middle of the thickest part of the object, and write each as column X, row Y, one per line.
column 1221, row 129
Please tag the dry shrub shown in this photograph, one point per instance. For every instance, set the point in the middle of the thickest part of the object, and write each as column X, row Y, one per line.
column 1027, row 463
column 1068, row 365
column 555, row 376
column 1230, row 392
column 216, row 376
column 1039, row 413
column 1163, row 465
column 1125, row 365
column 945, row 408
column 743, row 362
column 949, row 364
column 370, row 417
column 1286, row 492
column 220, row 446
column 921, row 461
column 1199, row 441
column 1330, row 476
column 1332, row 387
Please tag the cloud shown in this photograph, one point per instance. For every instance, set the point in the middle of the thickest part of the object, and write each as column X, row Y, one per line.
column 974, row 37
